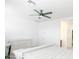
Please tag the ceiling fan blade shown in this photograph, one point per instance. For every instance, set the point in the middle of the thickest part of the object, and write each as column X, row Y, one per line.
column 33, row 15
column 47, row 13
column 36, row 11
column 47, row 17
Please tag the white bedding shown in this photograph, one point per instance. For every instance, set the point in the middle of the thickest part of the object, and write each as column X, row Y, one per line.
column 51, row 52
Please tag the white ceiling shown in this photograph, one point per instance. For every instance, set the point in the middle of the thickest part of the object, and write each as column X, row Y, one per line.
column 60, row 8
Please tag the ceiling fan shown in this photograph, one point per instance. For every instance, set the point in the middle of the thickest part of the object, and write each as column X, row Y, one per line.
column 41, row 13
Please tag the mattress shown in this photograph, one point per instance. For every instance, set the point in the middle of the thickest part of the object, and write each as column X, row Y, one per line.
column 50, row 52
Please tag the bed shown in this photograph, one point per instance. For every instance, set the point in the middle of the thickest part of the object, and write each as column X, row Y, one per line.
column 16, row 44
column 44, row 52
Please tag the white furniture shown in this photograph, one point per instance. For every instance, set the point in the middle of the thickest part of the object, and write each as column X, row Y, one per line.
column 66, row 33
column 19, row 44
column 45, row 52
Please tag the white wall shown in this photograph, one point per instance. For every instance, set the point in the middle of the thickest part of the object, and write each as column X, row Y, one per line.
column 49, row 31
column 18, row 27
